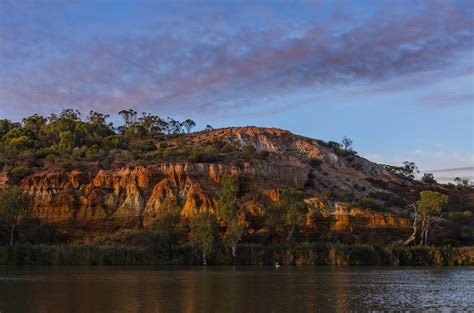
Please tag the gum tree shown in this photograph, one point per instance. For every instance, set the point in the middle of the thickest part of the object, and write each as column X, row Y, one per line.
column 166, row 227
column 427, row 212
column 203, row 233
column 13, row 208
column 295, row 211
column 230, row 211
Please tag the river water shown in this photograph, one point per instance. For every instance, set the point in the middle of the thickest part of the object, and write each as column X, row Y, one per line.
column 234, row 289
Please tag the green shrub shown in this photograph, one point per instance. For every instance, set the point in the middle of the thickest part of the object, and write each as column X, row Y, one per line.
column 371, row 204
column 21, row 171
column 263, row 154
column 248, row 151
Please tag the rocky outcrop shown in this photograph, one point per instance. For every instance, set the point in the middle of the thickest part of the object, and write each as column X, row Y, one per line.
column 138, row 193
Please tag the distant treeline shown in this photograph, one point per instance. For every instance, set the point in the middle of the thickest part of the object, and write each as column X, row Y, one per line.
column 249, row 254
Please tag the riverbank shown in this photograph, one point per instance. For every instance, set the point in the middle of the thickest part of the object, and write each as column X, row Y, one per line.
column 296, row 254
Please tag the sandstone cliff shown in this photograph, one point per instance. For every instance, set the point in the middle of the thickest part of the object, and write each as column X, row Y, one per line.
column 131, row 196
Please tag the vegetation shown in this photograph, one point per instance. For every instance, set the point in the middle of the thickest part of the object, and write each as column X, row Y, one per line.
column 67, row 139
column 461, row 182
column 203, row 233
column 427, row 211
column 430, row 206
column 13, row 208
column 407, row 171
column 230, row 211
column 347, row 143
column 428, row 178
column 166, row 229
column 304, row 253
column 334, row 145
column 288, row 215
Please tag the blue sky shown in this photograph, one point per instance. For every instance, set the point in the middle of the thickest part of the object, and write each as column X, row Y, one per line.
column 395, row 76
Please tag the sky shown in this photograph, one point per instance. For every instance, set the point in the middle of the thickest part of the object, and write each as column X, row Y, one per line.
column 397, row 77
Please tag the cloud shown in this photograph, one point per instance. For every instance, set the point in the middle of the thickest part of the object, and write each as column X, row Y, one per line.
column 448, row 174
column 446, row 100
column 449, row 170
column 211, row 68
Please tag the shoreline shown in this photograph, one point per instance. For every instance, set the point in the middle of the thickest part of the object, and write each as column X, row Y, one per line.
column 247, row 255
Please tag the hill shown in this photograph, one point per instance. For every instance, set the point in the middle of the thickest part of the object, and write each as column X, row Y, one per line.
column 108, row 199
column 88, row 181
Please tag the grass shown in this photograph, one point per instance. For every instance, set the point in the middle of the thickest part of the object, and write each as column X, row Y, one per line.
column 247, row 254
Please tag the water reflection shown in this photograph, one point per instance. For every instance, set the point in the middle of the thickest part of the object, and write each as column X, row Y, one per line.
column 227, row 289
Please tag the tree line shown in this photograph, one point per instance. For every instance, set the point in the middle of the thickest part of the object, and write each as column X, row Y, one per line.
column 67, row 138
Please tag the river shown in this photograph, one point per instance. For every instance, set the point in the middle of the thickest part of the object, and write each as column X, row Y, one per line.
column 234, row 289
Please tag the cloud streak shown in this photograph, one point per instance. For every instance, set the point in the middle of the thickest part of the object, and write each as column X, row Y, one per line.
column 213, row 69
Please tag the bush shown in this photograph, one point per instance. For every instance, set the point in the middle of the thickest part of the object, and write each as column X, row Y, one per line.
column 19, row 172
column 334, row 145
column 248, row 151
column 371, row 204
column 31, row 230
column 305, row 253
column 263, row 154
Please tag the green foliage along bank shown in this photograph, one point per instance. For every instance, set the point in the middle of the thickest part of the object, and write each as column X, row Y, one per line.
column 286, row 254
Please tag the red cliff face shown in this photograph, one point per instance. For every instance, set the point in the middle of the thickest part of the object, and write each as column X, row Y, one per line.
column 132, row 196
column 137, row 193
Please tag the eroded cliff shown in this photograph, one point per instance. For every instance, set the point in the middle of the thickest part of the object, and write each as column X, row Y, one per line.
column 126, row 196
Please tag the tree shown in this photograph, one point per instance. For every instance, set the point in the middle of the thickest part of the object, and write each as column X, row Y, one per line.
column 296, row 211
column 6, row 126
column 166, row 227
column 34, row 122
column 203, row 233
column 189, row 124
column 408, row 170
column 153, row 124
column 274, row 218
column 461, row 182
column 18, row 139
column 430, row 206
column 70, row 114
column 428, row 178
column 129, row 116
column 208, row 128
column 230, row 211
column 347, row 143
column 13, row 207
column 135, row 132
column 427, row 211
column 98, row 119
column 412, row 238
column 173, row 126
column 66, row 141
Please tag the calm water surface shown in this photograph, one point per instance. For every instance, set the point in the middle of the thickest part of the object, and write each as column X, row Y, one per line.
column 234, row 289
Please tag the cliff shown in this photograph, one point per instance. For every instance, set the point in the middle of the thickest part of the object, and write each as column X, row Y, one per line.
column 93, row 200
